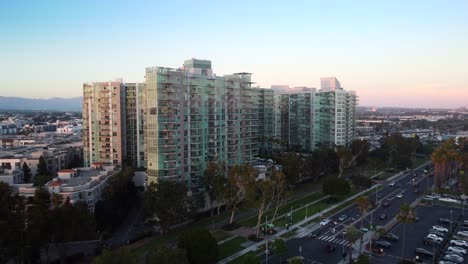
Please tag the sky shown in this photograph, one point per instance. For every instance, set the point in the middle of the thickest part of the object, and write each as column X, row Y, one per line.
column 392, row 53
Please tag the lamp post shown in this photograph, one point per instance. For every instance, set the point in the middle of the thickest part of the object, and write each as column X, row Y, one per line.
column 266, row 239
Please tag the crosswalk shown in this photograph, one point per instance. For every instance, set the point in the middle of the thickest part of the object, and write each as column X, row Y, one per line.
column 333, row 240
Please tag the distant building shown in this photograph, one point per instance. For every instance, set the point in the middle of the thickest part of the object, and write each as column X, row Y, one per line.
column 103, row 119
column 84, row 184
column 335, row 114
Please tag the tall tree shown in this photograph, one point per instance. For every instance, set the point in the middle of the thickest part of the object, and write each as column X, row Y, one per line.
column 42, row 197
column 352, row 235
column 360, row 150
column 42, row 167
column 363, row 204
column 292, row 167
column 462, row 158
column 199, row 245
column 26, row 173
column 212, row 178
column 444, row 158
column 260, row 196
column 280, row 248
column 335, row 186
column 240, row 180
column 280, row 191
column 405, row 216
column 166, row 202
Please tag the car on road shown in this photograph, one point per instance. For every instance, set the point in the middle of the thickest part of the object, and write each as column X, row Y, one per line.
column 342, row 217
column 392, row 184
column 423, row 252
column 459, row 243
column 457, row 250
column 383, row 243
column 379, row 196
column 453, row 257
column 364, row 229
column 440, row 228
column 325, row 222
column 399, row 196
column 416, row 191
column 391, row 236
column 445, row 221
column 386, row 204
column 435, row 237
column 382, row 216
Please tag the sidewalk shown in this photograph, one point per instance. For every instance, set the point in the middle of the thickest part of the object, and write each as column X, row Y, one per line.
column 297, row 225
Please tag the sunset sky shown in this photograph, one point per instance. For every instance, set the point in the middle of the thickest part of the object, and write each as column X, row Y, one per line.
column 392, row 53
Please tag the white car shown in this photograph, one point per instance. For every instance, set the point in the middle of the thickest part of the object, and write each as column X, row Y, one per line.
column 457, row 250
column 463, row 233
column 440, row 229
column 399, row 196
column 459, row 243
column 392, row 184
column 434, row 237
column 325, row 222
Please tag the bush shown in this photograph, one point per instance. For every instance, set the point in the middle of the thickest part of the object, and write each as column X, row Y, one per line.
column 362, row 181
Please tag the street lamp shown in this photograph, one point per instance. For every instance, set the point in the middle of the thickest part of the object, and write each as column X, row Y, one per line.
column 266, row 239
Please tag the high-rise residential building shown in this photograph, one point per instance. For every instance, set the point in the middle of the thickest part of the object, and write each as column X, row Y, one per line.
column 134, row 113
column 193, row 116
column 103, row 119
column 335, row 114
column 294, row 117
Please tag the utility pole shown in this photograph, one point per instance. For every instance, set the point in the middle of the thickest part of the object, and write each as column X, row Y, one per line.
column 266, row 239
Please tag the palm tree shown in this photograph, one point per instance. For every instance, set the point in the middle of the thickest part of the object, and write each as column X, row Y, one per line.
column 444, row 160
column 405, row 216
column 462, row 158
column 363, row 204
column 351, row 236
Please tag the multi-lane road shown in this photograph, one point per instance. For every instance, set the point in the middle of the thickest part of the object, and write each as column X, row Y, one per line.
column 311, row 243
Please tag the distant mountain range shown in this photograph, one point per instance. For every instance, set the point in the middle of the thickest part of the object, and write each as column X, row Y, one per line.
column 52, row 104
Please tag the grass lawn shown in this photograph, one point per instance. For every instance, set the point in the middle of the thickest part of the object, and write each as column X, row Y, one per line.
column 284, row 209
column 230, row 247
column 240, row 260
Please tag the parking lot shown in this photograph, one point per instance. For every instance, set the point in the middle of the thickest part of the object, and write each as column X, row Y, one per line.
column 428, row 216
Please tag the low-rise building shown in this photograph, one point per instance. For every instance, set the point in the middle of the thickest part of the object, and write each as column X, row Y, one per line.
column 77, row 184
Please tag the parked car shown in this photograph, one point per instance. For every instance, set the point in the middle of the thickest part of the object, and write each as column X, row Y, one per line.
column 459, row 243
column 445, row 221
column 430, row 241
column 437, row 233
column 391, row 236
column 325, row 222
column 416, row 191
column 382, row 216
column 453, row 257
column 435, row 237
column 457, row 250
column 463, row 233
column 446, row 262
column 383, row 243
column 386, row 204
column 455, row 237
column 342, row 217
column 424, row 253
column 440, row 229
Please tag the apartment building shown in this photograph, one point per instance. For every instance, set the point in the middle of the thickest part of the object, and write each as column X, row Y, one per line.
column 134, row 112
column 335, row 114
column 84, row 183
column 295, row 117
column 193, row 116
column 103, row 116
